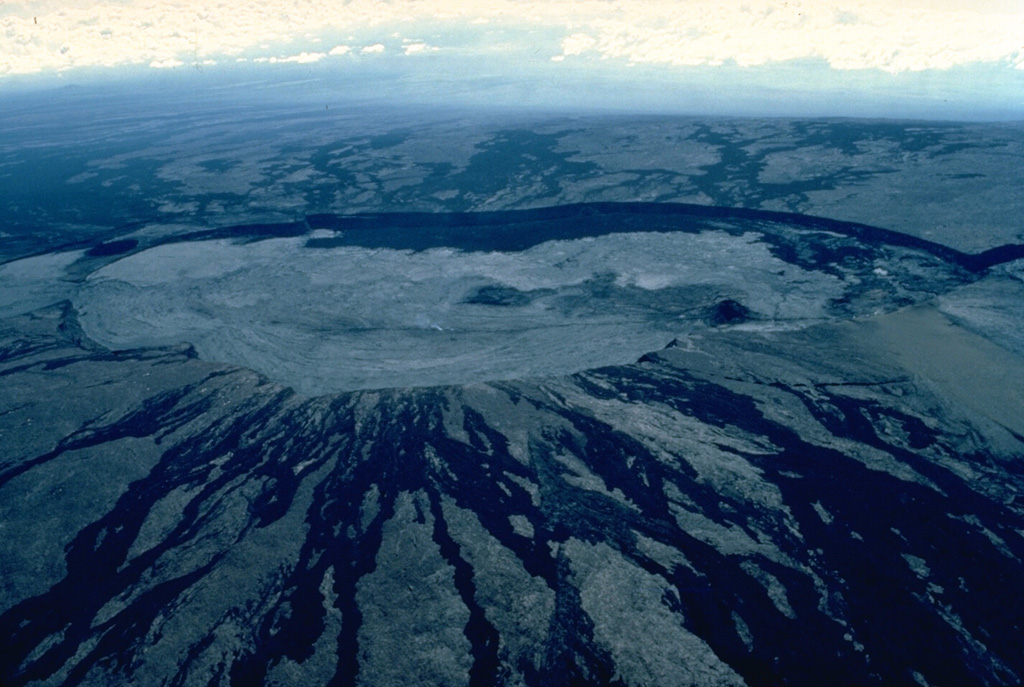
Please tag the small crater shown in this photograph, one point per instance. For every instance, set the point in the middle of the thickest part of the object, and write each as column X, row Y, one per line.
column 728, row 311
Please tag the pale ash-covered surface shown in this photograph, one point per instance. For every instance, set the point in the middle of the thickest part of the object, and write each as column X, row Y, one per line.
column 355, row 307
column 350, row 318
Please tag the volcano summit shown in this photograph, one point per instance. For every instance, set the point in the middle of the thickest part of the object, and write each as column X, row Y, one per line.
column 338, row 402
column 421, row 300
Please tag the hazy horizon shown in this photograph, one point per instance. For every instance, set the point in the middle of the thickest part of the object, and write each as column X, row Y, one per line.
column 919, row 60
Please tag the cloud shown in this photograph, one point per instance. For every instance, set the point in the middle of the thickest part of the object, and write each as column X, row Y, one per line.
column 50, row 35
column 340, row 50
column 418, row 48
column 304, row 57
column 301, row 58
column 166, row 64
column 862, row 35
column 577, row 44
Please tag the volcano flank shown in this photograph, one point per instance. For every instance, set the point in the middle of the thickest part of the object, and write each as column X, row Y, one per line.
column 631, row 444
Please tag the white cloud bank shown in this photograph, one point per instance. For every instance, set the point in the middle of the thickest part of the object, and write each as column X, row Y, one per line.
column 48, row 35
column 859, row 34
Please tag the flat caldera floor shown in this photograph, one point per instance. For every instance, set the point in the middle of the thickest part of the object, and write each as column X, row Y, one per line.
column 408, row 301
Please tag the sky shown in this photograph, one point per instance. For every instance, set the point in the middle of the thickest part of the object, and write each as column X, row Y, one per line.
column 925, row 53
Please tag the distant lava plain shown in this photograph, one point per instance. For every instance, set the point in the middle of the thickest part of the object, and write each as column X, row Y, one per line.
column 814, row 475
